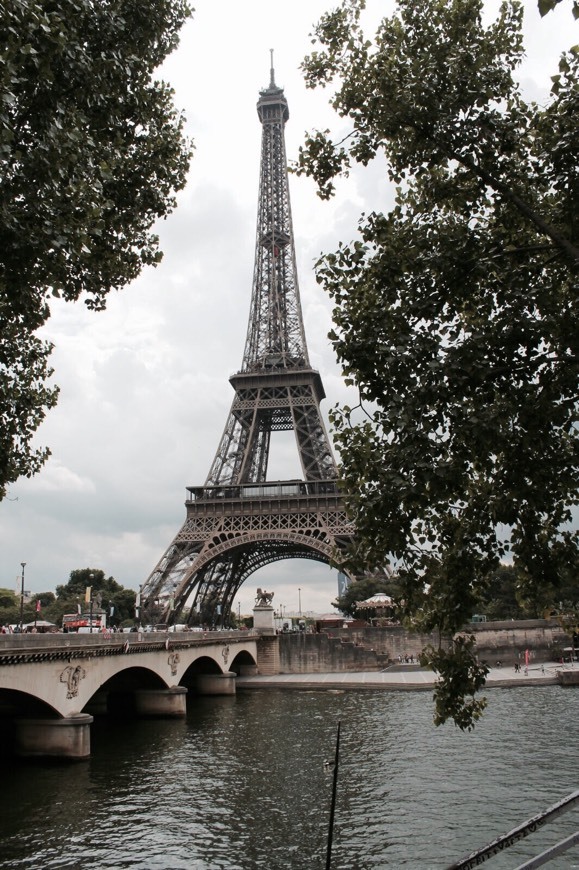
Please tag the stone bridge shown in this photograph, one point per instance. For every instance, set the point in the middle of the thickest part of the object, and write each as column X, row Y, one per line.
column 52, row 685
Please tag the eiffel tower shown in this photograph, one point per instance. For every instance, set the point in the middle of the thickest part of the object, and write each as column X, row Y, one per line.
column 238, row 521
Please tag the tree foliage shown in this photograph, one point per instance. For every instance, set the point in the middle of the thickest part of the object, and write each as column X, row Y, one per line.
column 361, row 590
column 25, row 396
column 91, row 152
column 106, row 593
column 455, row 313
column 499, row 594
column 546, row 6
column 10, row 605
column 81, row 578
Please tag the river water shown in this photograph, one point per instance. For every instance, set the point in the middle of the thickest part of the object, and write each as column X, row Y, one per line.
column 241, row 784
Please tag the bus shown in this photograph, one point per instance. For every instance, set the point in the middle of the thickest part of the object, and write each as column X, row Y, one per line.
column 75, row 621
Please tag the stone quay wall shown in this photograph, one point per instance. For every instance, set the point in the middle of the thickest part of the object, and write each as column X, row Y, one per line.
column 305, row 653
column 368, row 648
column 507, row 641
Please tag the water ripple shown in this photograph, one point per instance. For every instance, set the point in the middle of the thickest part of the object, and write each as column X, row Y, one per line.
column 242, row 785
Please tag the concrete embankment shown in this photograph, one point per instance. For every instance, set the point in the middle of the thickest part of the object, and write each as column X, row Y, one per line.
column 402, row 679
column 362, row 648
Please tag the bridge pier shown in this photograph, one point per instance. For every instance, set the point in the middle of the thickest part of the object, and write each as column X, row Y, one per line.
column 268, row 655
column 67, row 738
column 161, row 703
column 248, row 670
column 216, row 684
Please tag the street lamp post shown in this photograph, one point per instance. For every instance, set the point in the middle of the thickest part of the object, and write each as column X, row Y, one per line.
column 22, row 598
column 299, row 600
column 91, row 576
column 138, row 605
column 172, row 619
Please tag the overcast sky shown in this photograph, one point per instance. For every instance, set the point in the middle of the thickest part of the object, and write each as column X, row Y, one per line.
column 144, row 386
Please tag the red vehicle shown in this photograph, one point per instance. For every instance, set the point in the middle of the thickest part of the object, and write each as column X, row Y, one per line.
column 74, row 621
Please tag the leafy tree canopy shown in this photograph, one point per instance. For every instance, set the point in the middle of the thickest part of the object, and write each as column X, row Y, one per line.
column 81, row 578
column 45, row 598
column 362, row 589
column 106, row 593
column 8, row 598
column 10, row 606
column 91, row 152
column 456, row 313
column 548, row 6
column 499, row 598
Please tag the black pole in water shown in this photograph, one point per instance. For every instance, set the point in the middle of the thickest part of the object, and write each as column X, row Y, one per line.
column 333, row 805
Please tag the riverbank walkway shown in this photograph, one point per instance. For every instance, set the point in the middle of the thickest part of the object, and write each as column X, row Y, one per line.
column 404, row 678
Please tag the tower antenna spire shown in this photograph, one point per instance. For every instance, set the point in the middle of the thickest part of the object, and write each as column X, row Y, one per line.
column 271, row 70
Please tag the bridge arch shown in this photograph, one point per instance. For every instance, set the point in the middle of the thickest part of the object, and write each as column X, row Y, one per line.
column 203, row 664
column 16, row 702
column 116, row 696
column 52, row 687
column 244, row 664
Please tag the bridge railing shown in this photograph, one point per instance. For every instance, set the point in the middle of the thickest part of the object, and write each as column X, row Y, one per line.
column 71, row 640
column 475, row 859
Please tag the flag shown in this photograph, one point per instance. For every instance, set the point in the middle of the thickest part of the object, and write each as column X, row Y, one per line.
column 38, row 605
column 78, row 608
column 88, row 594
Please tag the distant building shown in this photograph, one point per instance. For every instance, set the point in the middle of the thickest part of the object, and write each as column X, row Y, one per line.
column 343, row 583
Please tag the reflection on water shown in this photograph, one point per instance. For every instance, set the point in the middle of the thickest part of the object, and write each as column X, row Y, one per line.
column 241, row 784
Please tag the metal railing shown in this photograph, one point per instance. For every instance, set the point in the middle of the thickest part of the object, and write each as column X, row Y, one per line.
column 265, row 490
column 481, row 856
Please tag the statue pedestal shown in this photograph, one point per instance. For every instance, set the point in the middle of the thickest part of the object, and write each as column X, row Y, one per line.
column 263, row 618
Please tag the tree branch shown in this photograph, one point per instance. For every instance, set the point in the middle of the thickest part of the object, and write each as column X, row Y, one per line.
column 563, row 243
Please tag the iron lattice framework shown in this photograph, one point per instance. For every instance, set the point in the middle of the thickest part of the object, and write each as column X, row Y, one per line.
column 238, row 521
